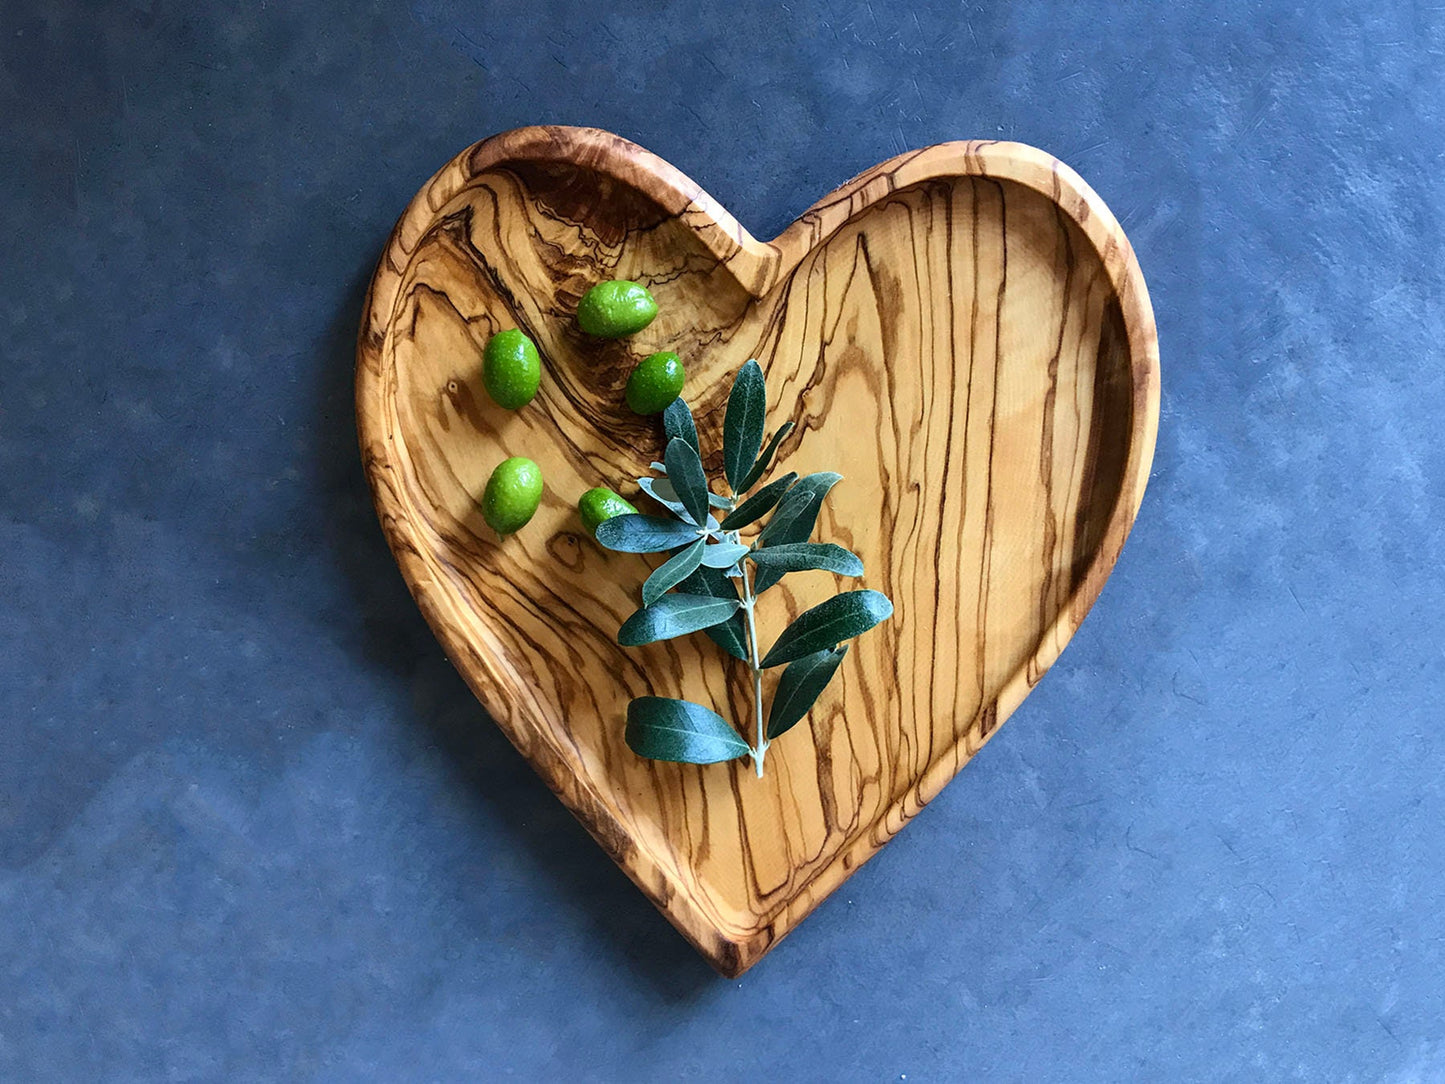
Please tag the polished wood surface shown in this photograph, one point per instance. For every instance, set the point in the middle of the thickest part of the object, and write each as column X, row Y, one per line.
column 963, row 332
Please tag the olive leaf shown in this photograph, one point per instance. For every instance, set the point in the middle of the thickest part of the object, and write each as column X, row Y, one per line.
column 743, row 424
column 730, row 635
column 660, row 490
column 636, row 533
column 713, row 499
column 800, row 686
column 674, row 615
column 677, row 423
column 724, row 554
column 759, row 504
column 798, row 511
column 761, row 466
column 795, row 518
column 803, row 556
column 840, row 618
column 661, row 728
column 672, row 572
column 684, row 472
column 798, row 503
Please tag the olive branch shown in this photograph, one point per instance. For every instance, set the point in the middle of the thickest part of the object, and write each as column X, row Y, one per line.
column 713, row 578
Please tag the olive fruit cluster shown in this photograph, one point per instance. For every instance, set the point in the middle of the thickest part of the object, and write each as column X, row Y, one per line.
column 512, row 373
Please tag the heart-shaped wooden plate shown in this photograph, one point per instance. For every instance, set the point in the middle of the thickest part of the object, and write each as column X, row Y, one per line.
column 963, row 332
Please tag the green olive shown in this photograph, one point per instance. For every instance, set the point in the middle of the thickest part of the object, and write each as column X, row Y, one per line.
column 511, row 369
column 601, row 504
column 655, row 383
column 513, row 492
column 612, row 309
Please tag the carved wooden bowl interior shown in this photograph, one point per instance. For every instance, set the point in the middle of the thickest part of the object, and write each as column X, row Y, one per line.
column 962, row 332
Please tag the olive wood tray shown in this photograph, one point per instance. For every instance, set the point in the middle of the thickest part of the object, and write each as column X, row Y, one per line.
column 963, row 332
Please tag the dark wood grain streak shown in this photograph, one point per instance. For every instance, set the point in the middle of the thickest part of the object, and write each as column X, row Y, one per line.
column 962, row 332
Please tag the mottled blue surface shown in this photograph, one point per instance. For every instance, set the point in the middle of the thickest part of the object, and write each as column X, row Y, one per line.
column 252, row 823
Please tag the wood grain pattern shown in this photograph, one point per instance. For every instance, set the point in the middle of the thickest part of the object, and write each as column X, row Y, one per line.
column 963, row 332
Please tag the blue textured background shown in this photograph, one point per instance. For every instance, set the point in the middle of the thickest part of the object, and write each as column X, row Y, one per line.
column 252, row 822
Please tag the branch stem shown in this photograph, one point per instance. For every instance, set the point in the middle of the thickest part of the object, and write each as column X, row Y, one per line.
column 760, row 748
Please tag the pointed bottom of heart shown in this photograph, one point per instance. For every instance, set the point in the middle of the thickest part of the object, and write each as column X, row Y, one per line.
column 962, row 332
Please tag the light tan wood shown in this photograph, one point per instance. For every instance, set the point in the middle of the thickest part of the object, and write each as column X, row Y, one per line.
column 963, row 332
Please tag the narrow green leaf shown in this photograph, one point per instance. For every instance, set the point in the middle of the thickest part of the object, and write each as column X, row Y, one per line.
column 761, row 466
column 677, row 423
column 759, row 504
column 743, row 424
column 731, row 635
column 661, row 728
column 660, row 490
column 674, row 615
column 799, row 688
column 795, row 518
column 724, row 554
column 685, row 474
column 714, row 500
column 803, row 556
column 797, row 513
column 840, row 618
column 672, row 572
column 644, row 534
